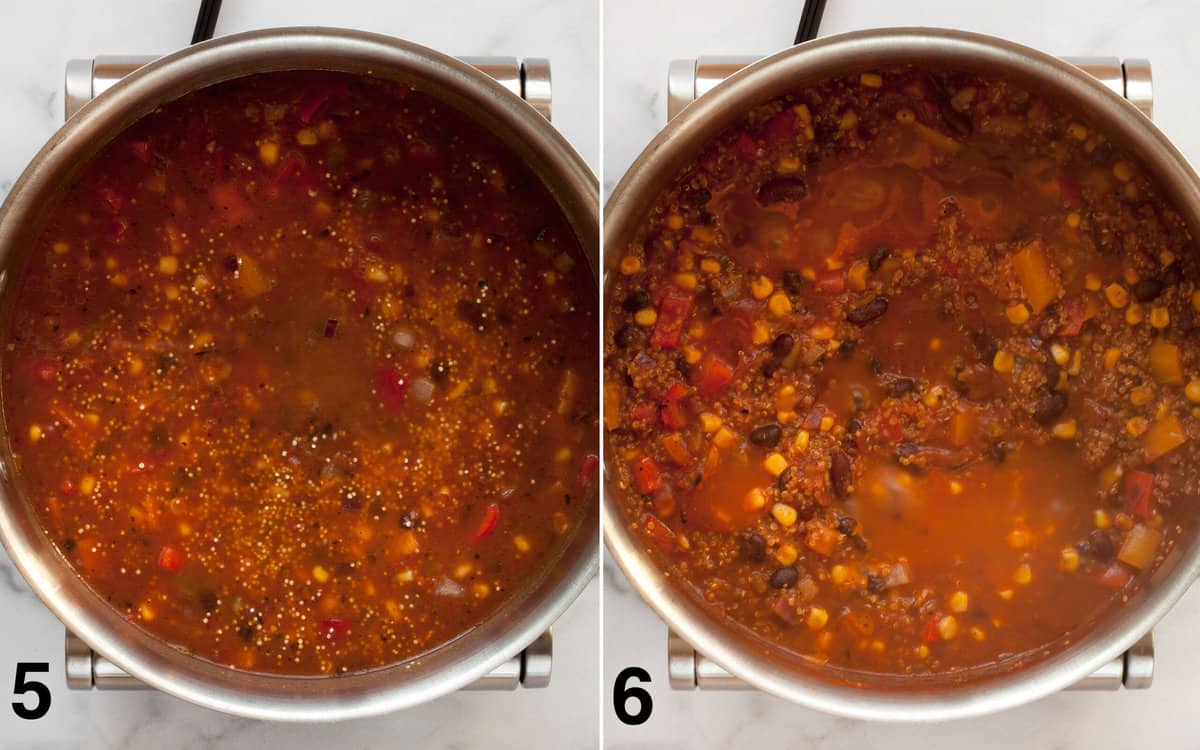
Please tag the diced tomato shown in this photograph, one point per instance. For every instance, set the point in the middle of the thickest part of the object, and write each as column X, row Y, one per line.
column 403, row 90
column 930, row 633
column 833, row 282
column 141, row 150
column 118, row 228
column 45, row 370
column 673, row 416
column 1115, row 576
column 780, row 128
column 648, row 477
column 230, row 202
column 309, row 105
column 713, row 376
column 170, row 558
column 1075, row 314
column 1138, row 493
column 111, row 197
column 643, row 412
column 659, row 532
column 333, row 628
column 1069, row 188
column 288, row 169
column 391, row 384
column 673, row 312
column 491, row 515
column 587, row 470
column 745, row 148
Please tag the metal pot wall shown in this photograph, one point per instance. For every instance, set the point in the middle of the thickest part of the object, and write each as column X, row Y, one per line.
column 910, row 698
column 456, row 664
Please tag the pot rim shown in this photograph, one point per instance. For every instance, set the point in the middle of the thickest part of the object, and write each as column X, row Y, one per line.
column 1119, row 628
column 451, row 666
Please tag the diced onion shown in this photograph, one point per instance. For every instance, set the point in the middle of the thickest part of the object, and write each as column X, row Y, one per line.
column 448, row 587
column 898, row 575
column 404, row 339
column 421, row 389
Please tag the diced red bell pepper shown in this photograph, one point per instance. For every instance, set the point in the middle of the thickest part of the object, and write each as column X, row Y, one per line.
column 141, row 150
column 833, row 282
column 46, row 370
column 170, row 558
column 1138, row 493
column 309, row 105
column 587, row 470
column 659, row 532
column 1069, row 188
column 333, row 628
column 671, row 411
column 780, row 128
column 649, row 478
column 930, row 633
column 713, row 376
column 673, row 312
column 491, row 515
column 111, row 197
column 643, row 412
column 392, row 385
column 1075, row 314
column 745, row 148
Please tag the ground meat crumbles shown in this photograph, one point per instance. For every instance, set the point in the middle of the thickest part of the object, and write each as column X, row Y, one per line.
column 301, row 374
column 901, row 374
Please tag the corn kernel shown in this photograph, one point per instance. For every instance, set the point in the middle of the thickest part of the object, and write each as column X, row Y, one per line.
column 801, row 441
column 320, row 574
column 784, row 514
column 724, row 438
column 1017, row 313
column 947, row 627
column 1003, row 361
column 268, row 152
column 1134, row 314
column 761, row 287
column 35, row 433
column 1077, row 131
column 146, row 612
column 977, row 633
column 779, row 304
column 306, row 137
column 956, row 487
column 1005, row 594
column 1101, row 519
column 849, row 120
column 1112, row 355
column 521, row 543
column 1065, row 429
column 710, row 422
column 787, row 554
column 1019, row 538
column 817, row 617
column 710, row 265
column 1136, row 426
column 87, row 485
column 692, row 355
column 646, row 317
column 856, row 277
column 1192, row 391
column 787, row 165
column 922, row 651
column 761, row 333
column 1060, row 353
column 822, row 332
column 630, row 265
column 776, row 464
column 1130, row 275
column 1122, row 171
column 754, row 500
column 1140, row 395
column 168, row 264
column 686, row 280
column 933, row 396
column 959, row 602
column 674, row 221
column 826, row 424
column 1160, row 317
column 1116, row 295
column 1068, row 559
column 871, row 80
column 839, row 574
column 1023, row 574
column 61, row 248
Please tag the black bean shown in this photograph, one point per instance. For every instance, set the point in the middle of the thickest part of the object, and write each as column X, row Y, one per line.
column 985, row 345
column 208, row 600
column 793, row 282
column 698, row 196
column 864, row 314
column 902, row 386
column 232, row 263
column 878, row 256
column 853, row 426
column 1172, row 275
column 770, row 367
column 782, row 190
column 752, row 546
column 767, row 435
column 1050, row 407
column 1147, row 290
column 683, row 367
column 846, row 350
column 782, row 345
column 1101, row 545
column 846, row 524
column 875, row 583
column 840, row 468
column 625, row 335
column 636, row 300
column 907, row 448
column 998, row 451
column 785, row 577
column 439, row 369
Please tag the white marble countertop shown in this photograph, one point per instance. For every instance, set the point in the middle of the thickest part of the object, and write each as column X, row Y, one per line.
column 36, row 38
column 640, row 39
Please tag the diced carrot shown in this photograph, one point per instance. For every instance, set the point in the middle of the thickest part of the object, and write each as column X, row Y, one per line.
column 671, row 411
column 659, row 532
column 1164, row 436
column 587, row 470
column 170, row 558
column 491, row 515
column 673, row 312
column 822, row 539
column 713, row 376
column 676, row 450
column 1034, row 272
column 648, row 476
column 1138, row 493
column 612, row 406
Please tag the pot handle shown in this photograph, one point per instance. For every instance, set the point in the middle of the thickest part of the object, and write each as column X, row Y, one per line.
column 692, row 78
column 688, row 669
column 88, row 670
column 85, row 79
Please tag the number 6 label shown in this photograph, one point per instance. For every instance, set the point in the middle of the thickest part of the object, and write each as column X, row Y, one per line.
column 623, row 693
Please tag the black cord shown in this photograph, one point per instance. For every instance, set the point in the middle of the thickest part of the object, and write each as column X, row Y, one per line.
column 206, row 20
column 810, row 20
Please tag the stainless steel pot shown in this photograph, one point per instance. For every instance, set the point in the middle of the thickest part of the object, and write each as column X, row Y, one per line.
column 909, row 699
column 516, row 624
